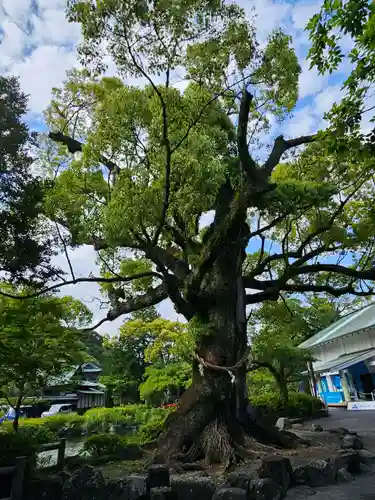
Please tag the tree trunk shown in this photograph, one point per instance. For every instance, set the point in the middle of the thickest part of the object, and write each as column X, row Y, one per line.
column 17, row 410
column 283, row 388
column 211, row 419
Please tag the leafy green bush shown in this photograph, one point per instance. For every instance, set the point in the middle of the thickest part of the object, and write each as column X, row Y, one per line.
column 72, row 423
column 14, row 445
column 300, row 404
column 104, row 444
column 39, row 434
column 47, row 429
column 99, row 420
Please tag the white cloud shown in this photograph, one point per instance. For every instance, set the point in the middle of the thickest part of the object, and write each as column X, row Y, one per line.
column 310, row 82
column 302, row 12
column 12, row 42
column 325, row 99
column 303, row 122
column 52, row 27
column 52, row 4
column 18, row 10
column 270, row 15
column 43, row 69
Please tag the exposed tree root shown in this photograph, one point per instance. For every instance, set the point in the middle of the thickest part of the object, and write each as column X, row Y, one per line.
column 206, row 427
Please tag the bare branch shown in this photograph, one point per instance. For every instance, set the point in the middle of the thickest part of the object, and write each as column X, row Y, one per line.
column 93, row 279
column 333, row 268
column 203, row 109
column 281, row 145
column 247, row 162
column 65, row 251
column 152, row 297
column 75, row 146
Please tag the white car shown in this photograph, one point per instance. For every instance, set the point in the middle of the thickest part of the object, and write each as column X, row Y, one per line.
column 57, row 409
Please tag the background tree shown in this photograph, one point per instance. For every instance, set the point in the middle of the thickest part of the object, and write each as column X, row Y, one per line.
column 277, row 328
column 39, row 339
column 152, row 159
column 24, row 246
column 336, row 27
column 142, row 361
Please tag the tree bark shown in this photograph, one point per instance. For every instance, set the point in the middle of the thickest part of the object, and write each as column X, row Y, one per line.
column 211, row 420
column 17, row 410
column 283, row 388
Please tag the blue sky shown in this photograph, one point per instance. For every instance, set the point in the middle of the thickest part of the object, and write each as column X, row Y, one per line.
column 39, row 46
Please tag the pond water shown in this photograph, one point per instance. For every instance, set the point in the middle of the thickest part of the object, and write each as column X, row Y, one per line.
column 49, row 458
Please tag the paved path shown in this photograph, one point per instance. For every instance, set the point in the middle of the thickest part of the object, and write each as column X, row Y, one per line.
column 358, row 421
column 362, row 422
column 363, row 487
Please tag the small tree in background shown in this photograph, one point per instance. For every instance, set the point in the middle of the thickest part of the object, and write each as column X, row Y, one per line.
column 148, row 358
column 277, row 328
column 39, row 339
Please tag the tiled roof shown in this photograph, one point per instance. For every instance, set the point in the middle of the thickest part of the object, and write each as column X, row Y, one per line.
column 351, row 323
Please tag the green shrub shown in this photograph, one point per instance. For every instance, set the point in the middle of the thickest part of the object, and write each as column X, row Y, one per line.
column 46, row 430
column 149, row 432
column 72, row 423
column 304, row 404
column 104, row 444
column 99, row 420
column 14, row 445
column 37, row 433
column 300, row 404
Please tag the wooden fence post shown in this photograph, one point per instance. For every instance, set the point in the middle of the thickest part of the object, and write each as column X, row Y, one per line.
column 61, row 454
column 17, row 482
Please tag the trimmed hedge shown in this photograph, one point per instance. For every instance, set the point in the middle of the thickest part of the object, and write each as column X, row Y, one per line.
column 104, row 444
column 145, row 422
column 300, row 404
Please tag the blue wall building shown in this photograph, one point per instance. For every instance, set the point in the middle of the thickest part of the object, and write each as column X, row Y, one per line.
column 344, row 354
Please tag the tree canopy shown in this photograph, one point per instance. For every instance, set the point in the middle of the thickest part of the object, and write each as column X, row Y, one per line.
column 344, row 33
column 25, row 246
column 40, row 338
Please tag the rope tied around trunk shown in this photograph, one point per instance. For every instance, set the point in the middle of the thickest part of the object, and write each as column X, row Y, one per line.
column 231, row 370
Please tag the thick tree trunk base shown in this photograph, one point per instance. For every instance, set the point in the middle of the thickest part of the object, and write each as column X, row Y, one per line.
column 205, row 428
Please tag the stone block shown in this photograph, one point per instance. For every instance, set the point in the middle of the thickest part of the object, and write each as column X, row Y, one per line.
column 366, row 455
column 343, row 476
column 351, row 442
column 348, row 460
column 162, row 493
column 86, row 483
column 238, row 480
column 283, row 424
column 317, row 473
column 158, row 476
column 230, row 494
column 137, row 487
column 316, row 428
column 188, row 488
column 277, row 468
column 265, row 489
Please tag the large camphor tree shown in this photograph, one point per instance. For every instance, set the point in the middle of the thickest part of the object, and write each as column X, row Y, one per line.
column 140, row 158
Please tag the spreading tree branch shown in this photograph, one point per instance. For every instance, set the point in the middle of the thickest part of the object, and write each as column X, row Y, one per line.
column 247, row 162
column 152, row 297
column 281, row 145
column 93, row 279
column 75, row 146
